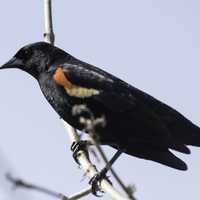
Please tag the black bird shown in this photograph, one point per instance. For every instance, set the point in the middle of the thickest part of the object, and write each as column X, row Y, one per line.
column 136, row 123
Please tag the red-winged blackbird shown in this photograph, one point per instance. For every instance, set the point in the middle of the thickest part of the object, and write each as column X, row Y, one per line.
column 136, row 123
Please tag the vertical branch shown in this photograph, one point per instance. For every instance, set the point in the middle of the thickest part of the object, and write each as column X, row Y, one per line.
column 50, row 38
column 48, row 34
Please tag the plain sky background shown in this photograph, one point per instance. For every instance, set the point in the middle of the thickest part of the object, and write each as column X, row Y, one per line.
column 154, row 45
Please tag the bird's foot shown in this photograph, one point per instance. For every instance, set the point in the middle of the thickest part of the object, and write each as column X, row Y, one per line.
column 76, row 147
column 95, row 181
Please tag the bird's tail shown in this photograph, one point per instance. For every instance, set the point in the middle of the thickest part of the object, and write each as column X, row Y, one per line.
column 189, row 136
column 169, row 159
column 163, row 156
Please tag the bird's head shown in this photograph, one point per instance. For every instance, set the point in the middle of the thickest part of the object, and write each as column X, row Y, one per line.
column 35, row 58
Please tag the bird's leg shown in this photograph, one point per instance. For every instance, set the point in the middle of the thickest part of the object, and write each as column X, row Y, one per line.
column 78, row 146
column 94, row 181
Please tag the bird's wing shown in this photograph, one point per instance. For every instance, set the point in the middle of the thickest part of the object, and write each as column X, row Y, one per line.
column 89, row 82
column 182, row 129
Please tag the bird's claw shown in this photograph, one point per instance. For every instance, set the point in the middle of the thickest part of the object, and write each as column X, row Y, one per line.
column 76, row 147
column 95, row 182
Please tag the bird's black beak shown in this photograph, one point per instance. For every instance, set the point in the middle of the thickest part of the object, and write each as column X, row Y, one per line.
column 13, row 63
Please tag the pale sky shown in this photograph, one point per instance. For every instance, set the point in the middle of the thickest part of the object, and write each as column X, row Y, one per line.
column 151, row 44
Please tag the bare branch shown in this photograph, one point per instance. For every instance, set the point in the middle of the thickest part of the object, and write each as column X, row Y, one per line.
column 90, row 169
column 19, row 183
column 50, row 38
column 48, row 34
column 79, row 194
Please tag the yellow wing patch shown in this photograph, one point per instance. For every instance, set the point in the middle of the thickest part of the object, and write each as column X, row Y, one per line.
column 71, row 89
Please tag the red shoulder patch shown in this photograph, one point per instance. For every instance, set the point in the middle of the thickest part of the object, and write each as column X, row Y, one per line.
column 72, row 90
column 61, row 79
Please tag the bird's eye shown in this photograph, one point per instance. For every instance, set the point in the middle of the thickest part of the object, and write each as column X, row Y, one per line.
column 23, row 54
column 26, row 52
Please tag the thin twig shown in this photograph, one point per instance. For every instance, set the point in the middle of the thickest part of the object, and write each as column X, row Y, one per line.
column 115, row 175
column 79, row 194
column 19, row 183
